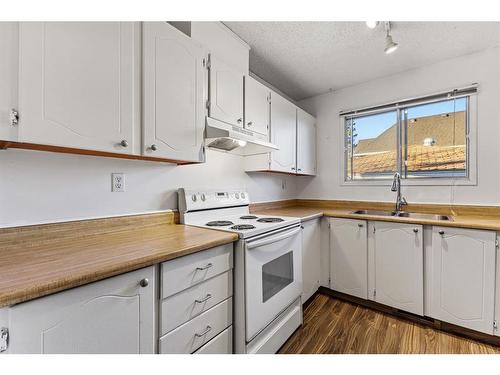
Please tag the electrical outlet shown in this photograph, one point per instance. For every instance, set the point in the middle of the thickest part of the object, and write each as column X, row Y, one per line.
column 117, row 182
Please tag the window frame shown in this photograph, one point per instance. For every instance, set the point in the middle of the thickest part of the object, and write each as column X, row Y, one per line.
column 399, row 107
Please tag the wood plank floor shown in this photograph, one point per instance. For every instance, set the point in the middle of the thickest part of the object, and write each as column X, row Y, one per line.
column 334, row 326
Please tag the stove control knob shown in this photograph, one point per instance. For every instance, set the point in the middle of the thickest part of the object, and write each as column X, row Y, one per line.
column 203, row 197
column 242, row 195
column 237, row 196
column 193, row 197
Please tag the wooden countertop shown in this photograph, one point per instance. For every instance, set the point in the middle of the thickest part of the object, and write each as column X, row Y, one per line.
column 462, row 216
column 41, row 260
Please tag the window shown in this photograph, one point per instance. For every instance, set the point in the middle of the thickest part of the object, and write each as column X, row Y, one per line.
column 421, row 139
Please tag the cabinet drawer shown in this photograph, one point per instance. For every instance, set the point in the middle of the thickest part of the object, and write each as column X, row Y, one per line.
column 220, row 344
column 182, row 273
column 183, row 306
column 194, row 334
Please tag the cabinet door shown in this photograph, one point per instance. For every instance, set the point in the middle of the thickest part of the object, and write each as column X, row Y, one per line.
column 226, row 93
column 283, row 134
column 257, row 106
column 78, row 84
column 9, row 42
column 311, row 258
column 348, row 257
column 173, row 84
column 463, row 277
column 115, row 315
column 306, row 143
column 399, row 270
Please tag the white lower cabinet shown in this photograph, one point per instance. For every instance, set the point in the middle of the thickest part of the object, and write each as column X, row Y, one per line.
column 115, row 315
column 311, row 258
column 463, row 277
column 348, row 257
column 396, row 265
column 197, row 304
column 220, row 344
column 192, row 335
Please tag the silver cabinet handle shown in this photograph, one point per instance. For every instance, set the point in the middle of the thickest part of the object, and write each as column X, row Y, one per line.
column 205, row 299
column 415, row 230
column 360, row 225
column 299, row 169
column 144, row 283
column 293, row 168
column 249, row 123
column 154, row 147
column 204, row 332
column 124, row 143
column 204, row 267
column 441, row 232
column 239, row 120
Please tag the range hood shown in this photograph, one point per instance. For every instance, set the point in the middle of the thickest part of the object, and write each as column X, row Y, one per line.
column 233, row 139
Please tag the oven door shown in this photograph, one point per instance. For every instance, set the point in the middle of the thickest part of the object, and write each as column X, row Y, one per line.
column 273, row 276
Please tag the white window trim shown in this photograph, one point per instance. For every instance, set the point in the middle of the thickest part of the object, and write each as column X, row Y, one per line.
column 471, row 180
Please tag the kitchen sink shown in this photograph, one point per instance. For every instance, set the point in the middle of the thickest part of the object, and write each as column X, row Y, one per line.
column 417, row 215
column 374, row 212
column 411, row 215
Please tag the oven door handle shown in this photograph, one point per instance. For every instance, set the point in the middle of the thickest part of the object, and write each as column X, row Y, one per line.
column 273, row 238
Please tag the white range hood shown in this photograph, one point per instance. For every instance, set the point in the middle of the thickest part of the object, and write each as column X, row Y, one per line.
column 233, row 139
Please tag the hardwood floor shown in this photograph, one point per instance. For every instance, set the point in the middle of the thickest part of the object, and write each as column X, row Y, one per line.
column 334, row 326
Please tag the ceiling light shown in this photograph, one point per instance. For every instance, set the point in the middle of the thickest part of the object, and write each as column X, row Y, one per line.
column 371, row 24
column 390, row 45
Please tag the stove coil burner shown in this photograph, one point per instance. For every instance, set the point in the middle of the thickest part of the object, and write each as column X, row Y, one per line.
column 270, row 220
column 242, row 227
column 219, row 223
column 248, row 217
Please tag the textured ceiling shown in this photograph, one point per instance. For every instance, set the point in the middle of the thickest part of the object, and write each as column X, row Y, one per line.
column 303, row 59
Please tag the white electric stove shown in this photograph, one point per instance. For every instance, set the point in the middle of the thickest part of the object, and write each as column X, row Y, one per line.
column 267, row 269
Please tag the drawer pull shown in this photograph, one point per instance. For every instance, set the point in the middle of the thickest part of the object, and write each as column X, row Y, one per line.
column 204, row 267
column 204, row 332
column 207, row 297
column 441, row 232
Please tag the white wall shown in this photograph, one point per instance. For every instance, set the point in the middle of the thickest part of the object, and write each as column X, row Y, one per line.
column 38, row 187
column 483, row 68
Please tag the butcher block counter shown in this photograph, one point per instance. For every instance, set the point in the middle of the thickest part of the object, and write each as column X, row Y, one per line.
column 39, row 260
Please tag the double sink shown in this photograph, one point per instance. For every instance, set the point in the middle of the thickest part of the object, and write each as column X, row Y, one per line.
column 411, row 215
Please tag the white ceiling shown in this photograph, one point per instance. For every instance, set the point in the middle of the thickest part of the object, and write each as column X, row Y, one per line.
column 303, row 59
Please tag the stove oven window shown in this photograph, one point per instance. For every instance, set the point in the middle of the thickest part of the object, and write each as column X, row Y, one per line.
column 276, row 275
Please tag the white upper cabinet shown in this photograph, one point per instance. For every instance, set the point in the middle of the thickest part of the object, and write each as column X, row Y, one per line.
column 112, row 316
column 78, row 84
column 397, row 266
column 306, row 143
column 348, row 257
column 463, row 277
column 9, row 34
column 173, row 98
column 283, row 134
column 257, row 106
column 226, row 92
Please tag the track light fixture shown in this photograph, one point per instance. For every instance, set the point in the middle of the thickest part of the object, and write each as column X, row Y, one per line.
column 390, row 45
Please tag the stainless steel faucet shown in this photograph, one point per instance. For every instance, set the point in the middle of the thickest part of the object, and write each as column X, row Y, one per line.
column 396, row 186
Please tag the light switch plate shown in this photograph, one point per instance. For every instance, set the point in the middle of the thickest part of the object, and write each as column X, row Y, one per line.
column 117, row 182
